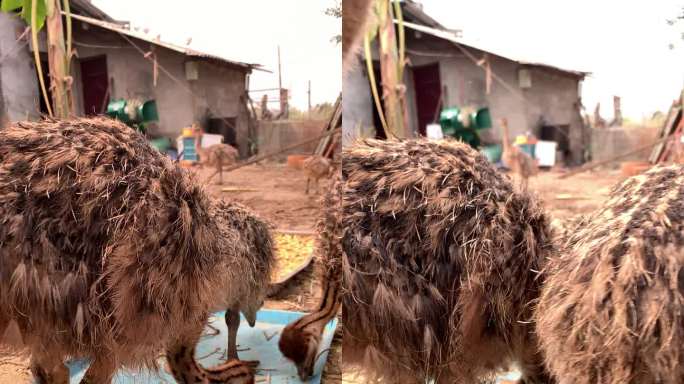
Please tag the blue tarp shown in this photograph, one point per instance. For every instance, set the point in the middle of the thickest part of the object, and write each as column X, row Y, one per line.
column 211, row 350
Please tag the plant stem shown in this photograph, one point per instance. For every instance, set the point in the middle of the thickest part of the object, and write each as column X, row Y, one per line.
column 36, row 54
column 371, row 79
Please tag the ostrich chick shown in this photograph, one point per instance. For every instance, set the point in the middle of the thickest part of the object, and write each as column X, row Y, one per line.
column 316, row 167
column 217, row 155
column 100, row 233
column 517, row 160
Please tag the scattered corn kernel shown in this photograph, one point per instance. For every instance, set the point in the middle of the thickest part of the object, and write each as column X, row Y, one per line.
column 291, row 251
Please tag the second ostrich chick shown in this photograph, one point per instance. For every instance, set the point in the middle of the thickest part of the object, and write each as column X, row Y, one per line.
column 216, row 156
column 316, row 167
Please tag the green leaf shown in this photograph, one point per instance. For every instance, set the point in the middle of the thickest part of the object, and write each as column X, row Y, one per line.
column 40, row 15
column 11, row 5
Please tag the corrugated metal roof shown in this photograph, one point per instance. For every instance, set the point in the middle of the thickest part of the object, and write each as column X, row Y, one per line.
column 415, row 10
column 432, row 27
column 452, row 37
column 86, row 8
column 119, row 28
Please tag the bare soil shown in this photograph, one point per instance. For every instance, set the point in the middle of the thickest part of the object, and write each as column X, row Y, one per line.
column 277, row 193
column 576, row 195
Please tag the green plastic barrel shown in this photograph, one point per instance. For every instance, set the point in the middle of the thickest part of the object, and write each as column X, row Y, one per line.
column 116, row 109
column 492, row 153
column 452, row 125
column 483, row 119
column 148, row 111
column 528, row 148
column 162, row 144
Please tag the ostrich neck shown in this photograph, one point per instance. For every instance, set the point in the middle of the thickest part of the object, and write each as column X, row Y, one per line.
column 185, row 369
column 506, row 137
column 327, row 308
column 198, row 146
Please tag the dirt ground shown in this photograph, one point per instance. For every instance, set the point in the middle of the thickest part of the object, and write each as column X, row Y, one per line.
column 576, row 195
column 277, row 193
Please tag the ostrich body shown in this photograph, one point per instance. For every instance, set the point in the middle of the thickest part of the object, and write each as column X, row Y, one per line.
column 612, row 307
column 101, row 234
column 216, row 156
column 316, row 167
column 516, row 159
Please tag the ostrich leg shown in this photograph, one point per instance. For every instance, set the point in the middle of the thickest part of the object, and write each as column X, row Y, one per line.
column 48, row 370
column 101, row 371
column 233, row 323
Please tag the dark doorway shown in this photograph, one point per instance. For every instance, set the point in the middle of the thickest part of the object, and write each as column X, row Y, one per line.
column 428, row 88
column 377, row 123
column 46, row 77
column 560, row 134
column 224, row 126
column 95, row 85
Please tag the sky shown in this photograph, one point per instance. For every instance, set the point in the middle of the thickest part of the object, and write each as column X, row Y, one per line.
column 624, row 43
column 250, row 31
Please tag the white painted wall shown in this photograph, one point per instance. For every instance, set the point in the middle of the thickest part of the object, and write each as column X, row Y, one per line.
column 18, row 83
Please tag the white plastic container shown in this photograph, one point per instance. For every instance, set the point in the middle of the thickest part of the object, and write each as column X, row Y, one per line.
column 208, row 139
column 434, row 132
column 545, row 152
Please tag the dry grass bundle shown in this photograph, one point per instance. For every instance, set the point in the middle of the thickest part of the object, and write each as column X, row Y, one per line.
column 440, row 267
column 100, row 234
column 611, row 310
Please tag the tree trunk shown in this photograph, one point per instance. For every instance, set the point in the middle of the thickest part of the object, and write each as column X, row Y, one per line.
column 391, row 92
column 59, row 61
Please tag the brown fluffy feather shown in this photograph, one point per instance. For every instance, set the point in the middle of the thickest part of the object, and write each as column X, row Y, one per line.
column 100, row 234
column 611, row 310
column 440, row 261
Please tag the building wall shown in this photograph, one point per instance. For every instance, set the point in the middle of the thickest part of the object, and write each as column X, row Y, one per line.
column 357, row 106
column 501, row 101
column 18, row 83
column 553, row 97
column 609, row 142
column 357, row 102
column 180, row 102
column 219, row 92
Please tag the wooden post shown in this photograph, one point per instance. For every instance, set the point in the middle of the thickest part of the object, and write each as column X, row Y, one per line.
column 309, row 94
column 617, row 111
column 284, row 104
column 280, row 80
column 58, row 61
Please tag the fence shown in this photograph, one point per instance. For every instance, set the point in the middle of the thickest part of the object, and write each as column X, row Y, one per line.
column 274, row 135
